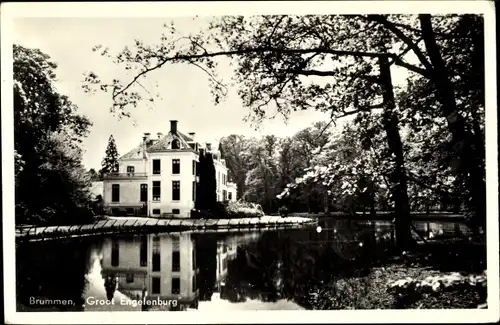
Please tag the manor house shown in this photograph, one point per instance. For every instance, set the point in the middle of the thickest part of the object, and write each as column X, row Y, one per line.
column 158, row 178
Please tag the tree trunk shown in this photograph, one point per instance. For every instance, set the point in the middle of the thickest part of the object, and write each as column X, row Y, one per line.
column 469, row 158
column 398, row 178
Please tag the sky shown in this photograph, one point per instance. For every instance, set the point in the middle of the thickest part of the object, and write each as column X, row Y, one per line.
column 185, row 95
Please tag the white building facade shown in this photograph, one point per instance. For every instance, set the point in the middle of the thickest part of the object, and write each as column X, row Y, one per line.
column 153, row 266
column 159, row 177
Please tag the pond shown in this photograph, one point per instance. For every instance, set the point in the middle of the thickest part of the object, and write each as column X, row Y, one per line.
column 253, row 270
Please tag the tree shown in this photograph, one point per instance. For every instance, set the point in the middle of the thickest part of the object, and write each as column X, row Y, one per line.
column 261, row 178
column 110, row 161
column 94, row 176
column 51, row 183
column 454, row 99
column 207, row 188
column 338, row 64
column 235, row 148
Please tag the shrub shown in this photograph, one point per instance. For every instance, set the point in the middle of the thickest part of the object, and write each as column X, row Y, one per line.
column 219, row 210
column 237, row 209
column 409, row 290
column 241, row 209
column 200, row 214
column 283, row 211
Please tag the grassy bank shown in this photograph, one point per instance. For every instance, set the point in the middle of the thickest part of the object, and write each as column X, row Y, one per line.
column 372, row 292
column 440, row 275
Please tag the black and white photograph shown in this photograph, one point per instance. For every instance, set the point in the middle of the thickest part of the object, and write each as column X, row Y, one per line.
column 249, row 162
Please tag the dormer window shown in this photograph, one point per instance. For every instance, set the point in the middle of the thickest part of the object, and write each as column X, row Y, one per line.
column 130, row 169
column 176, row 144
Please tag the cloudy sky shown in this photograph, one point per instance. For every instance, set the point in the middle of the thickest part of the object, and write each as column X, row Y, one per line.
column 185, row 93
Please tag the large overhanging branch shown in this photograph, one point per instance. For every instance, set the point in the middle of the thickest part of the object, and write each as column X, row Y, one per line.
column 188, row 58
column 396, row 31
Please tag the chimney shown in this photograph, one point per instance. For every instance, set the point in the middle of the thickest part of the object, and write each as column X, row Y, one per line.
column 173, row 126
column 144, row 144
column 159, row 135
column 147, row 136
column 209, row 146
column 191, row 134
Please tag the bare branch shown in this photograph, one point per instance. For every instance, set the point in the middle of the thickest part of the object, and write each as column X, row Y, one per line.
column 274, row 29
column 211, row 75
column 190, row 57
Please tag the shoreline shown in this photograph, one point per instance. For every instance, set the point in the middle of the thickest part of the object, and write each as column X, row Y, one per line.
column 120, row 225
column 130, row 224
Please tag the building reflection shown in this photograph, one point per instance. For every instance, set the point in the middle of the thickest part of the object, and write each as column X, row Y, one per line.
column 226, row 251
column 153, row 267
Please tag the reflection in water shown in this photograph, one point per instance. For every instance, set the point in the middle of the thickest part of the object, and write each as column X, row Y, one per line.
column 156, row 271
column 251, row 270
column 50, row 276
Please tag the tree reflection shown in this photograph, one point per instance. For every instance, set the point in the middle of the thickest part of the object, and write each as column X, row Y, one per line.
column 291, row 264
column 206, row 250
column 52, row 270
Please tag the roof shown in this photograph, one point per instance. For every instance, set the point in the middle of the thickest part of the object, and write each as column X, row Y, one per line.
column 164, row 144
column 137, row 152
column 185, row 137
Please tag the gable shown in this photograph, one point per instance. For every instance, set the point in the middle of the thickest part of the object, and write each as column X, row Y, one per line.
column 165, row 143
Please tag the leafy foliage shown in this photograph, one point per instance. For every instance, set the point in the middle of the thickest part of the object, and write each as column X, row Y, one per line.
column 51, row 183
column 340, row 64
column 206, row 196
column 94, row 176
column 110, row 161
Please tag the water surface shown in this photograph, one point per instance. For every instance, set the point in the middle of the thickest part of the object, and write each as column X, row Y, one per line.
column 253, row 270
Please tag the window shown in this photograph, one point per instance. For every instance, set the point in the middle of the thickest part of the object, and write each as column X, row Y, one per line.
column 176, row 166
column 115, row 211
column 115, row 193
column 224, row 195
column 176, row 286
column 156, row 190
column 144, row 250
column 197, row 168
column 230, row 196
column 144, row 192
column 156, row 284
column 176, row 261
column 193, row 259
column 156, row 211
column 130, row 277
column 175, row 243
column 176, row 144
column 130, row 169
column 194, row 167
column 156, row 253
column 194, row 190
column 115, row 253
column 156, row 166
column 129, row 210
column 176, row 211
column 193, row 284
column 176, row 190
